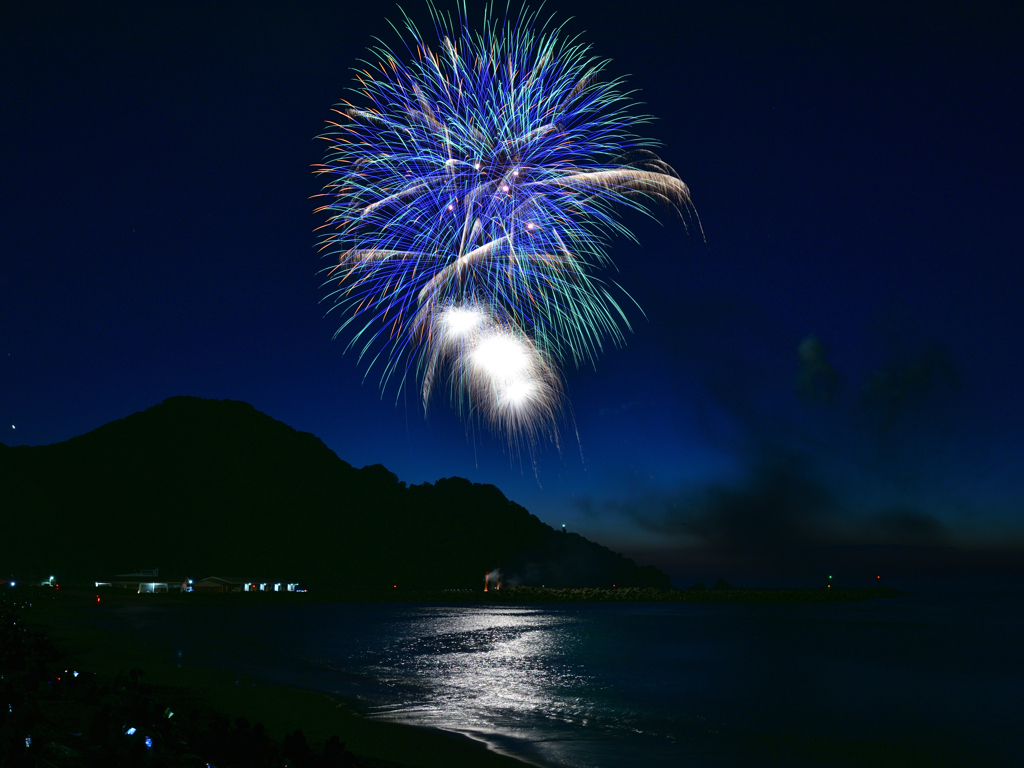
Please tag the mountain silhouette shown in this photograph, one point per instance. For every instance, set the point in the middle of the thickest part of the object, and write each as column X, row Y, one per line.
column 214, row 487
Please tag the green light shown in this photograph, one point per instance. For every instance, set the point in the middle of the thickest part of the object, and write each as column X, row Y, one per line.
column 830, row 575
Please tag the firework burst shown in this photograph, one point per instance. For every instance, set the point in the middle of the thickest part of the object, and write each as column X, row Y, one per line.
column 471, row 193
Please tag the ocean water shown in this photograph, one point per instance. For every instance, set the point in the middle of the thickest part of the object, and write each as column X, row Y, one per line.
column 915, row 680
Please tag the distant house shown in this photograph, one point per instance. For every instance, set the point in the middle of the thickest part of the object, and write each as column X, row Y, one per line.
column 149, row 581
column 145, row 581
column 235, row 584
column 221, row 584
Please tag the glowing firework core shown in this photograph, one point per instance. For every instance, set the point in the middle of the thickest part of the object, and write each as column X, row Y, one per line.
column 461, row 322
column 502, row 359
column 518, row 394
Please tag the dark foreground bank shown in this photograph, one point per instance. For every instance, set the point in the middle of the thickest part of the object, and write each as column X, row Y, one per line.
column 76, row 697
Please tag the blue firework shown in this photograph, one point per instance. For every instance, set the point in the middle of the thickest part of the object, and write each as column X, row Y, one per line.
column 471, row 194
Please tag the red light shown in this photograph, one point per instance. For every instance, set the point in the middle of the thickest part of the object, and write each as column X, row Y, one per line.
column 394, row 586
column 97, row 598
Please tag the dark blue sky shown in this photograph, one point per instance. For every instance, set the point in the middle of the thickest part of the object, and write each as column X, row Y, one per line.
column 857, row 173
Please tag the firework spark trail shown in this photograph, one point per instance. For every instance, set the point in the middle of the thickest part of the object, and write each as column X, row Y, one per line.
column 470, row 198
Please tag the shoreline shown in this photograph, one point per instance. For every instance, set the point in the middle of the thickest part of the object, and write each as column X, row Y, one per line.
column 510, row 596
column 375, row 742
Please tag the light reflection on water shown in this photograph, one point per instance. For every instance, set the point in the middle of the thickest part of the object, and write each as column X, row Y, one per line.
column 491, row 673
column 598, row 685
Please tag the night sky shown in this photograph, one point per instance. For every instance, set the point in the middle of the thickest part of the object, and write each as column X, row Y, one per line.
column 856, row 170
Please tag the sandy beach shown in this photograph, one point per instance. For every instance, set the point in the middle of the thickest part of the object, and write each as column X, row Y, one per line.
column 376, row 744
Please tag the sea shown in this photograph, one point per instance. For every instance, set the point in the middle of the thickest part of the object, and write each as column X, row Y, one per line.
column 921, row 679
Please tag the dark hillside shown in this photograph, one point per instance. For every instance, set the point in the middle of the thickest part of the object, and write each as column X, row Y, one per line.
column 201, row 487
